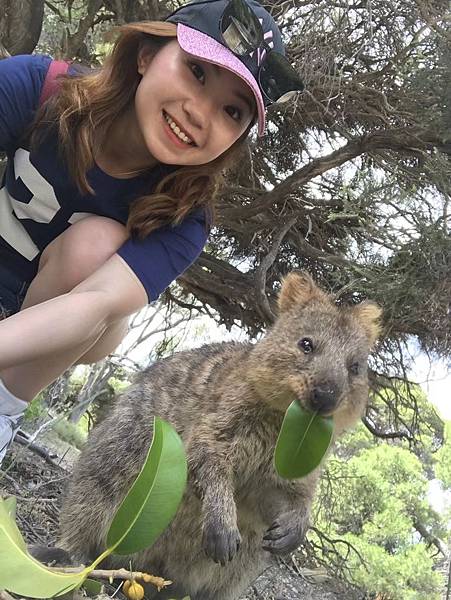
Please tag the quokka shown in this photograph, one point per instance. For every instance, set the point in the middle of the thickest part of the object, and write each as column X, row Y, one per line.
column 227, row 402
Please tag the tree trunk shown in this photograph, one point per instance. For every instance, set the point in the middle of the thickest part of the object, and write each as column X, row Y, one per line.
column 96, row 382
column 20, row 25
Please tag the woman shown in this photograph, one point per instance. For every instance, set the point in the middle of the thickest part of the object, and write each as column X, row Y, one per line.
column 110, row 182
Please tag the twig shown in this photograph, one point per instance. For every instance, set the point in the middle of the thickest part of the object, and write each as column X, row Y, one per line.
column 158, row 582
column 37, row 450
column 267, row 261
column 46, row 483
column 388, row 435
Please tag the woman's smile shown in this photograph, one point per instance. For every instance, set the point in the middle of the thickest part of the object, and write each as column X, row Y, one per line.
column 177, row 133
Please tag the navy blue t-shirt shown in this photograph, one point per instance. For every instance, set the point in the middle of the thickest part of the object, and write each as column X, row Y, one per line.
column 38, row 199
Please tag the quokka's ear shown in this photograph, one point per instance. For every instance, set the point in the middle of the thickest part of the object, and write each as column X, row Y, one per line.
column 298, row 288
column 369, row 314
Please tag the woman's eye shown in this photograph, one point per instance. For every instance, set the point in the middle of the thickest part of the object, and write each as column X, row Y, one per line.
column 198, row 72
column 306, row 345
column 234, row 112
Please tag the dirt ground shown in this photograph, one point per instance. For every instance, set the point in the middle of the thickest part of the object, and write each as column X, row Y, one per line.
column 39, row 486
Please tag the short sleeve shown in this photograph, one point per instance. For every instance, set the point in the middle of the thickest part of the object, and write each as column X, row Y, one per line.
column 21, row 80
column 166, row 253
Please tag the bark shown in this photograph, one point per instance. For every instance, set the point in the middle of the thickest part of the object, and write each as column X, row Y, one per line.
column 75, row 41
column 20, row 25
column 93, row 387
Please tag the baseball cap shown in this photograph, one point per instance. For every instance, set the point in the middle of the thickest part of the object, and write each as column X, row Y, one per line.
column 241, row 36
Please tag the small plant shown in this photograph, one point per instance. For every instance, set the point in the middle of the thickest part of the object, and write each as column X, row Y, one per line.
column 35, row 410
column 138, row 522
column 71, row 433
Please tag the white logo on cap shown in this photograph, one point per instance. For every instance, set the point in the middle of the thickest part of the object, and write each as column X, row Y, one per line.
column 261, row 52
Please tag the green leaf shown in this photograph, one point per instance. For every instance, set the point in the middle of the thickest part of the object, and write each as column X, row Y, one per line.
column 11, row 505
column 92, row 587
column 153, row 500
column 22, row 574
column 302, row 443
column 7, row 521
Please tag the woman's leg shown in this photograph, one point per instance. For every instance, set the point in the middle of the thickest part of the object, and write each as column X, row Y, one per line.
column 65, row 265
column 73, row 256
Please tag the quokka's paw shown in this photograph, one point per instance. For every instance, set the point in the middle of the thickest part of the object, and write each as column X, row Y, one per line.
column 220, row 543
column 285, row 534
column 50, row 556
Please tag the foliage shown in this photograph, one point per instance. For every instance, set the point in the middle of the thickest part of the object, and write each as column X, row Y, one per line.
column 119, row 384
column 443, row 465
column 70, row 433
column 16, row 561
column 376, row 504
column 137, row 523
column 400, row 411
column 374, row 498
column 407, row 575
column 35, row 410
column 302, row 442
column 142, row 516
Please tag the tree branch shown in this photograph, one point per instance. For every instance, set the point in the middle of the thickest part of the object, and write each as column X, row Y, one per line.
column 386, row 435
column 260, row 274
column 400, row 140
column 430, row 538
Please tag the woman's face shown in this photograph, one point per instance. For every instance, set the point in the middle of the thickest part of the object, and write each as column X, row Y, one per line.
column 189, row 111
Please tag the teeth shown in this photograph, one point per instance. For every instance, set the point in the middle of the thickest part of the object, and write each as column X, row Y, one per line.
column 176, row 129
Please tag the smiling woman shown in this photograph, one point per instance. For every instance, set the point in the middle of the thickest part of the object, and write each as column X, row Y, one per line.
column 110, row 181
column 204, row 112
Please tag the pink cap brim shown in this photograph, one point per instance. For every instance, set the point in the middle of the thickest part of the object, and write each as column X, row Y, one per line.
column 206, row 48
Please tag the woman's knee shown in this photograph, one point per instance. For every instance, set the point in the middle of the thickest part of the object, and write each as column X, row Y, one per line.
column 83, row 248
column 107, row 344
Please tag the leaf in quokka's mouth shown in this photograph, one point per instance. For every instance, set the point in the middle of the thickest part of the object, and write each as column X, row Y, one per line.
column 302, row 443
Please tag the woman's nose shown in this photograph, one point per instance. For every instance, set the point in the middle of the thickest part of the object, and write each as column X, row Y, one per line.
column 200, row 110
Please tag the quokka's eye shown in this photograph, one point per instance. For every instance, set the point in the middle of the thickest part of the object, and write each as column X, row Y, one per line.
column 354, row 368
column 306, row 345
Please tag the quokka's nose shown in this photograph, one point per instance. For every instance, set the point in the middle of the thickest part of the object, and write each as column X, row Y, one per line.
column 324, row 398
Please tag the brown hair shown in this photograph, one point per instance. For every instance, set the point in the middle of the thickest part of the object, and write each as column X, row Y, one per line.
column 87, row 104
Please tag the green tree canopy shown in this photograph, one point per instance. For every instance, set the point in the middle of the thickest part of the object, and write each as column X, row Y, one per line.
column 386, row 535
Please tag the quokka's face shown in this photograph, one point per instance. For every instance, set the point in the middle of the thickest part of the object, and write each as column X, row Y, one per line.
column 316, row 353
column 318, row 357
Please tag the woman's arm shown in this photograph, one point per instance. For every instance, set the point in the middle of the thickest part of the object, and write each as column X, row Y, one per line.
column 64, row 328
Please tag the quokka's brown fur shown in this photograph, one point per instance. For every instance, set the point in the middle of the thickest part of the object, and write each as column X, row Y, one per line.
column 227, row 401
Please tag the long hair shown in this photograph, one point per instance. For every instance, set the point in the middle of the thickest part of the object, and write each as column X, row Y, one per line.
column 87, row 104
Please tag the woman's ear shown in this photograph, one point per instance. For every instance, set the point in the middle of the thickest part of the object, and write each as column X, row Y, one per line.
column 144, row 58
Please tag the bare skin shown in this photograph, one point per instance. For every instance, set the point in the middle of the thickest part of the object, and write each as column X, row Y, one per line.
column 77, row 307
column 85, row 319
